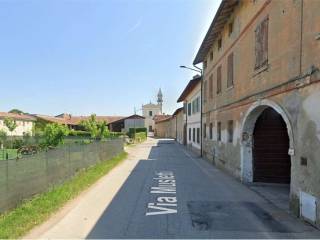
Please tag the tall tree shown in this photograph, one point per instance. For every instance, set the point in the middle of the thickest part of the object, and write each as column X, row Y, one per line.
column 10, row 124
column 18, row 111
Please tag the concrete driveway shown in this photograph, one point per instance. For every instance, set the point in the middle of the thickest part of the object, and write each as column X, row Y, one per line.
column 174, row 194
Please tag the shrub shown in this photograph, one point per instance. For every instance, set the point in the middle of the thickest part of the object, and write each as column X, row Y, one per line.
column 79, row 133
column 141, row 136
column 97, row 129
column 54, row 134
column 17, row 143
column 137, row 130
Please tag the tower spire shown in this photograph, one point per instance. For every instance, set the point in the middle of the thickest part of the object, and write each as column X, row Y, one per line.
column 160, row 99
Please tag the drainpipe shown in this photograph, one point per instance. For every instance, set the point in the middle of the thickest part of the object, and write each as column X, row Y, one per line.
column 201, row 140
column 187, row 130
column 301, row 36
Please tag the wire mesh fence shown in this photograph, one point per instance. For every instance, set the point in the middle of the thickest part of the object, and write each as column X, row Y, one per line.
column 23, row 177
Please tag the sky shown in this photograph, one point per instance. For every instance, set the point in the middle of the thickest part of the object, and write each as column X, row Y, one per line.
column 98, row 56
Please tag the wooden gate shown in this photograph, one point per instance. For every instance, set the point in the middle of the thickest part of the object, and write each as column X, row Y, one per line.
column 271, row 162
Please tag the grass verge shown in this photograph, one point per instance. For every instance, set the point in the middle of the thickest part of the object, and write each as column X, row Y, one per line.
column 30, row 213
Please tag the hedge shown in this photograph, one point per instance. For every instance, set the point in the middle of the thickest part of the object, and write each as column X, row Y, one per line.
column 137, row 130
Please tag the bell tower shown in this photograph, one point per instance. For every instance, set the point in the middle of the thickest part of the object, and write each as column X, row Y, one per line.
column 160, row 99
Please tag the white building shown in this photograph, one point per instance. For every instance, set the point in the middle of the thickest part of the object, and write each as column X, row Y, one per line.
column 191, row 97
column 24, row 123
column 149, row 111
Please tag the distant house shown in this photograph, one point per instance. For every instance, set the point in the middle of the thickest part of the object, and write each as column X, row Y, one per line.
column 163, row 126
column 114, row 123
column 125, row 123
column 73, row 122
column 24, row 123
column 191, row 98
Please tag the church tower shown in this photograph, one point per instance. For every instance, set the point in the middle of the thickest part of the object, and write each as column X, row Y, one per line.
column 160, row 99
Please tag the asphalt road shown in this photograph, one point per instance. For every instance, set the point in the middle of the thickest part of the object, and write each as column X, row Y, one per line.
column 174, row 194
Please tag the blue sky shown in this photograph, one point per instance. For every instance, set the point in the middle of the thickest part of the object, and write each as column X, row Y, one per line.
column 97, row 56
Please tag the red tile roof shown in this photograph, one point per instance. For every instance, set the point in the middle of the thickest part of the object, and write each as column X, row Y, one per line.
column 161, row 118
column 17, row 116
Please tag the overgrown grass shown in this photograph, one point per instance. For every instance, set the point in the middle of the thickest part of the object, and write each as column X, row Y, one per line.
column 22, row 219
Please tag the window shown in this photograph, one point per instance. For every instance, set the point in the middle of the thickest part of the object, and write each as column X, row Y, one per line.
column 211, row 131
column 189, row 109
column 150, row 129
column 230, row 28
column 196, row 105
column 230, row 71
column 194, row 135
column 211, row 86
column 261, row 48
column 204, row 130
column 198, row 135
column 219, row 80
column 219, row 43
column 219, row 131
column 150, row 113
column 189, row 134
column 230, row 131
column 205, row 64
column 211, row 56
column 205, row 89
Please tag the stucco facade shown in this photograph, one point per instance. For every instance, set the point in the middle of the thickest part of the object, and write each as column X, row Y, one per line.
column 24, row 124
column 149, row 111
column 288, row 83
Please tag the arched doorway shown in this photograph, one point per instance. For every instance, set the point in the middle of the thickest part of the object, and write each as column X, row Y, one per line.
column 271, row 161
column 266, row 137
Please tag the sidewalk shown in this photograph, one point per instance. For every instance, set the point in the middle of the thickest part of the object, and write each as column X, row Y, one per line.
column 78, row 217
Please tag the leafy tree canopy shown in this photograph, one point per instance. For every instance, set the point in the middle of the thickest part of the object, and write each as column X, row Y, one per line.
column 54, row 134
column 10, row 124
column 18, row 111
column 97, row 129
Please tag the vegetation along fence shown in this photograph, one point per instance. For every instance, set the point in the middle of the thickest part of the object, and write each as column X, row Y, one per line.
column 21, row 178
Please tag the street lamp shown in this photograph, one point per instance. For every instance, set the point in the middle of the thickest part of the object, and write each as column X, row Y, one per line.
column 199, row 70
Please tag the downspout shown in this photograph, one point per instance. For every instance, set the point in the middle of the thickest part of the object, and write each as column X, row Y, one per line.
column 187, row 130
column 301, row 37
column 201, row 90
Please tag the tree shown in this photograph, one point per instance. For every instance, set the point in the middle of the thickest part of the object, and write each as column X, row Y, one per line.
column 3, row 137
column 97, row 129
column 10, row 124
column 18, row 111
column 54, row 134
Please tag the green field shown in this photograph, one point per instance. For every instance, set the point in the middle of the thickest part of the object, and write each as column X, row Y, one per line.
column 12, row 154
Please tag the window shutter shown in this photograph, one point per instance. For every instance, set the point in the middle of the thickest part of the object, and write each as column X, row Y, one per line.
column 211, row 86
column 265, row 41
column 230, row 70
column 219, row 79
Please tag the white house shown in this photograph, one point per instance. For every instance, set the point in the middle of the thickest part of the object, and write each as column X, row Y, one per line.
column 24, row 123
column 191, row 97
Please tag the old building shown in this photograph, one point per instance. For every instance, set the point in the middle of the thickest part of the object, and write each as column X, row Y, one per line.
column 191, row 98
column 163, row 126
column 179, row 122
column 150, row 110
column 261, row 89
column 24, row 124
column 124, row 124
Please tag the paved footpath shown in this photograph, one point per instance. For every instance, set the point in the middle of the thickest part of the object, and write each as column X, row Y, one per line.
column 163, row 191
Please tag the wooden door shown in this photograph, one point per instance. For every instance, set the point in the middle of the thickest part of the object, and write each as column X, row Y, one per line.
column 271, row 162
